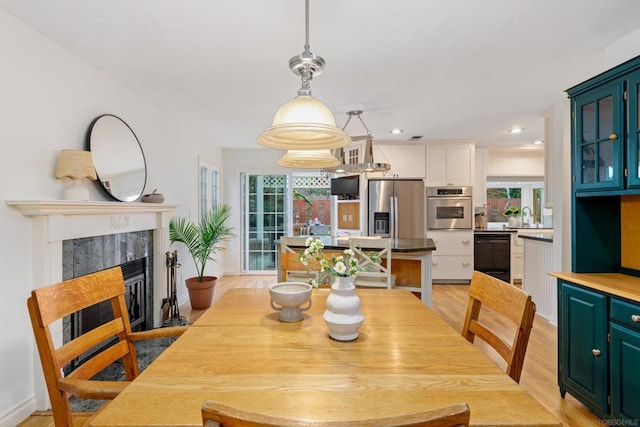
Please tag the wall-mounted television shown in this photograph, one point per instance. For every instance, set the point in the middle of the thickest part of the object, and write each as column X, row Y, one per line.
column 346, row 187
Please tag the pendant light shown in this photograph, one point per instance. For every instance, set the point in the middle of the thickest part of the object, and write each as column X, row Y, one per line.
column 367, row 165
column 308, row 159
column 304, row 123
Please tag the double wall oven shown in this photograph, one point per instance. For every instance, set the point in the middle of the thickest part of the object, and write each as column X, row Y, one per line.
column 449, row 208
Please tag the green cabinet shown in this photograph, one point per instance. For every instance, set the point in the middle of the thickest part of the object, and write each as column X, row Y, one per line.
column 582, row 346
column 605, row 132
column 633, row 130
column 599, row 351
column 625, row 359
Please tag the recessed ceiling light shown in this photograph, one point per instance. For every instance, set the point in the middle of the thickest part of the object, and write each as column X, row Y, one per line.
column 515, row 130
column 538, row 142
column 396, row 131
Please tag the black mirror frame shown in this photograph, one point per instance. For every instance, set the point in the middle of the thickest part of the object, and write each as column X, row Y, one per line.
column 105, row 190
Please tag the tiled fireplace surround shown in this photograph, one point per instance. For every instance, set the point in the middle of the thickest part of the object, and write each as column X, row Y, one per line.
column 132, row 224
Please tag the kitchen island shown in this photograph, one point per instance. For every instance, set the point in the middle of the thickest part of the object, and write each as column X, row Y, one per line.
column 410, row 262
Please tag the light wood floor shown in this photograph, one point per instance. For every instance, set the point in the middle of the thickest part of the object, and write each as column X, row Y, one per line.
column 539, row 375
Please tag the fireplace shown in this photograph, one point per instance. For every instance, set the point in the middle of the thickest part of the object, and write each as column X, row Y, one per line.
column 55, row 222
column 133, row 252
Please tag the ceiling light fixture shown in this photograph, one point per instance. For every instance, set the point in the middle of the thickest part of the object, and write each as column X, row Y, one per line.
column 396, row 131
column 368, row 165
column 309, row 159
column 538, row 142
column 515, row 130
column 304, row 123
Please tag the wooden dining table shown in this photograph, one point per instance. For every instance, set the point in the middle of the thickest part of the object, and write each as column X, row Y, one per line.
column 405, row 359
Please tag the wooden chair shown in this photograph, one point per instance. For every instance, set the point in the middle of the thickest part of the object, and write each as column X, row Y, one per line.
column 511, row 303
column 374, row 274
column 218, row 415
column 52, row 303
column 295, row 271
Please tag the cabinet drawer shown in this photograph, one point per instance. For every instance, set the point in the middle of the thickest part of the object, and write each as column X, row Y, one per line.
column 452, row 243
column 625, row 313
column 452, row 267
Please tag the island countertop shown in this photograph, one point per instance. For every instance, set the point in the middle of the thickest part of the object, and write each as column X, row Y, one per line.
column 398, row 245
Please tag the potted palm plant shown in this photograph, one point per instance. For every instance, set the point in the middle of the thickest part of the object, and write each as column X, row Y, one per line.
column 203, row 241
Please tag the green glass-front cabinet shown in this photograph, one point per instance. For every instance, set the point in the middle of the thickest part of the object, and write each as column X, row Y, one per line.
column 582, row 364
column 598, row 138
column 605, row 132
column 633, row 126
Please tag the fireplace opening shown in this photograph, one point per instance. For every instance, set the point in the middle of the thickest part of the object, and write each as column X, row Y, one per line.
column 134, row 274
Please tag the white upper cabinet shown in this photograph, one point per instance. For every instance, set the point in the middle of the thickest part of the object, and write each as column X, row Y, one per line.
column 406, row 160
column 450, row 164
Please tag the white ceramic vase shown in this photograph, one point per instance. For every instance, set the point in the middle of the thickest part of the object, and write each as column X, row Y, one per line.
column 343, row 316
column 514, row 221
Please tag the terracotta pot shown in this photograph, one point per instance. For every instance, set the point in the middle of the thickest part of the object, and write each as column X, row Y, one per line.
column 201, row 292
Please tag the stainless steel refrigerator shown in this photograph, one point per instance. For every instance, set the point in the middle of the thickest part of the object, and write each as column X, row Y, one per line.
column 397, row 208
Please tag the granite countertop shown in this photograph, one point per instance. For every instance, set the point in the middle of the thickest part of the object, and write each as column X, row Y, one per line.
column 398, row 245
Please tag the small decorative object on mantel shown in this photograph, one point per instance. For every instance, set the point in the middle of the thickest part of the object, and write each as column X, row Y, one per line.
column 73, row 167
column 342, row 316
column 154, row 197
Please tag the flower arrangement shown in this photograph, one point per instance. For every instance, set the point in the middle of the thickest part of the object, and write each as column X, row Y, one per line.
column 512, row 211
column 345, row 265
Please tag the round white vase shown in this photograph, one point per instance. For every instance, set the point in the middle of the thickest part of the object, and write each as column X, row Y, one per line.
column 343, row 316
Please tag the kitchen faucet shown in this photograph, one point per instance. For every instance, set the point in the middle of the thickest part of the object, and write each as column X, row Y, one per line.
column 525, row 222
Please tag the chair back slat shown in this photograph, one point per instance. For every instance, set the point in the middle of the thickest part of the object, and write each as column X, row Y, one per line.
column 510, row 303
column 217, row 414
column 100, row 360
column 57, row 301
column 97, row 336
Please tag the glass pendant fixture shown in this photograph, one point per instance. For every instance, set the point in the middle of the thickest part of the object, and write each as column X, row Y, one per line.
column 304, row 123
column 308, row 159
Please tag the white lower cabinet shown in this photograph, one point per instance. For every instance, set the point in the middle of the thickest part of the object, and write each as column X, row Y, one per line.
column 517, row 258
column 453, row 258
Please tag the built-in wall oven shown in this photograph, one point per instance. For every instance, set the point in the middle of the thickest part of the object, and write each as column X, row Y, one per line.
column 449, row 208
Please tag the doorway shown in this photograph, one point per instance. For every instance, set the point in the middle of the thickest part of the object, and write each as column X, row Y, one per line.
column 264, row 219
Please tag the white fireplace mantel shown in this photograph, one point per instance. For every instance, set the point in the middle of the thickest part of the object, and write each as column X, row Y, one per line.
column 59, row 220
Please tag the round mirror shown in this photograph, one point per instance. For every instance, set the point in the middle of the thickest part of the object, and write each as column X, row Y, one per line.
column 118, row 158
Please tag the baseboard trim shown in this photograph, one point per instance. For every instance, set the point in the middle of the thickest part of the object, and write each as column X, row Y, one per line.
column 18, row 413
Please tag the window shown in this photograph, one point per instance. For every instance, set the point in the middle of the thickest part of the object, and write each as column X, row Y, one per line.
column 524, row 195
column 209, row 187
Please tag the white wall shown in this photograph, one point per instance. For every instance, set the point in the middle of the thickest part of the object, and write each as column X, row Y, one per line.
column 48, row 98
column 519, row 163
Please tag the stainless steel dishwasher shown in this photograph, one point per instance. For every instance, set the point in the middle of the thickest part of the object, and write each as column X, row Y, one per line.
column 492, row 254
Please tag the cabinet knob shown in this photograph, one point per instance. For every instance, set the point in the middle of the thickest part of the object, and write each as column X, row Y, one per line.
column 595, row 352
column 434, row 263
column 613, row 136
column 466, row 263
column 466, row 242
column 635, row 318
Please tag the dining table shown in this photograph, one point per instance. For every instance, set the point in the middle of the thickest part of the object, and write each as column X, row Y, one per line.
column 405, row 359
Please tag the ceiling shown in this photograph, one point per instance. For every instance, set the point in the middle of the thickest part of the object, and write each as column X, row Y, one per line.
column 438, row 69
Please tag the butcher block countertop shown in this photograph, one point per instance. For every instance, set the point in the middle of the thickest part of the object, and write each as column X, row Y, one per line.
column 615, row 284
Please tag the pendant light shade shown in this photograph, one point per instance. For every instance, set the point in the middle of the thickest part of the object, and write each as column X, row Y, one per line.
column 303, row 123
column 308, row 159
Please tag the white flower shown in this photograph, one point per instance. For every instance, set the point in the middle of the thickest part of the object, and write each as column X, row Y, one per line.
column 348, row 252
column 340, row 268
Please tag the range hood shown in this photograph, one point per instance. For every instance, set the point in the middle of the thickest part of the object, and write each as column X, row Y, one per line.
column 368, row 164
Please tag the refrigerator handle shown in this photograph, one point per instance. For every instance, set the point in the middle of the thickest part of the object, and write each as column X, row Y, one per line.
column 394, row 203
